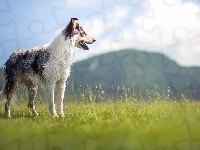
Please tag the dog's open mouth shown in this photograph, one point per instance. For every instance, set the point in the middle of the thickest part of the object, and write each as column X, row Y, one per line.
column 83, row 44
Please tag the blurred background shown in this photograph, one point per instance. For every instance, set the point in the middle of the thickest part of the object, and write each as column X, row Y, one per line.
column 145, row 45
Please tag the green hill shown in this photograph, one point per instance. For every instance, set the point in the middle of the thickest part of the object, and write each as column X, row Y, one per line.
column 140, row 71
column 147, row 74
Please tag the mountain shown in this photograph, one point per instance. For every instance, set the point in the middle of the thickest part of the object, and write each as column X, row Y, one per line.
column 147, row 74
column 139, row 71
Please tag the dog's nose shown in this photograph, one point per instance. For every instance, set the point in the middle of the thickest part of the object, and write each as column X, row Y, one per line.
column 94, row 40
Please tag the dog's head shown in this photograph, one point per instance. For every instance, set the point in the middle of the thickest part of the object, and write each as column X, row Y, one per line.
column 74, row 31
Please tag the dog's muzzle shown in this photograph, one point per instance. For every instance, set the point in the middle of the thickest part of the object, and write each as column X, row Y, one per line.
column 83, row 44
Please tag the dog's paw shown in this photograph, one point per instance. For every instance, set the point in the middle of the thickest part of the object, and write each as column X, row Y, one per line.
column 7, row 116
column 62, row 115
column 35, row 114
column 55, row 115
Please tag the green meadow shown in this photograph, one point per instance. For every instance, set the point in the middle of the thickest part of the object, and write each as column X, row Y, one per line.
column 120, row 125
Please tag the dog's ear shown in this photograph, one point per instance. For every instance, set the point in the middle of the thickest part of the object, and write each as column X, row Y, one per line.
column 73, row 23
column 70, row 29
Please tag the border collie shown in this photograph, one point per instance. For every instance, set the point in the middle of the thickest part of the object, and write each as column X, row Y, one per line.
column 49, row 64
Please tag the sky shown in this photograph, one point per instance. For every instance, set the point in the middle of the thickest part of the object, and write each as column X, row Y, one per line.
column 170, row 27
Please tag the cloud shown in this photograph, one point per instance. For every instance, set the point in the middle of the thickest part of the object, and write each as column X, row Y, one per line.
column 79, row 3
column 169, row 27
column 107, row 31
column 95, row 27
column 176, row 27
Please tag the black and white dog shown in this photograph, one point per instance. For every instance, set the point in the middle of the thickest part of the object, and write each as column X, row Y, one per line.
column 49, row 64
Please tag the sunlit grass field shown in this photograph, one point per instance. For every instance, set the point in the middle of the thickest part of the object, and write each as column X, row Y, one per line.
column 121, row 125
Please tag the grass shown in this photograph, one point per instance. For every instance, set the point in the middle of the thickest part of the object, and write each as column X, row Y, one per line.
column 130, row 125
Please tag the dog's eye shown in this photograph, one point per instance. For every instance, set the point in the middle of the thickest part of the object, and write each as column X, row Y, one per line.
column 75, row 32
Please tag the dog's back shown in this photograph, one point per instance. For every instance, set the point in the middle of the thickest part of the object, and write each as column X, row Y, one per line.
column 30, row 61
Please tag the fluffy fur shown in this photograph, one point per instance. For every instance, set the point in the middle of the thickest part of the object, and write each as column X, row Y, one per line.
column 49, row 64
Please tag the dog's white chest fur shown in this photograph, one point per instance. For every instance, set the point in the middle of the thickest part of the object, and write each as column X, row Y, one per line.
column 62, row 56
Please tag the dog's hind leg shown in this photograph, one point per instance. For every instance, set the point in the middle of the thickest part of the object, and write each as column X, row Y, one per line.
column 9, row 91
column 3, row 97
column 60, row 90
column 32, row 92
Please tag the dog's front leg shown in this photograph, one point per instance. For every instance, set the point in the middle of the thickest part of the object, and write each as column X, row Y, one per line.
column 60, row 90
column 50, row 94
